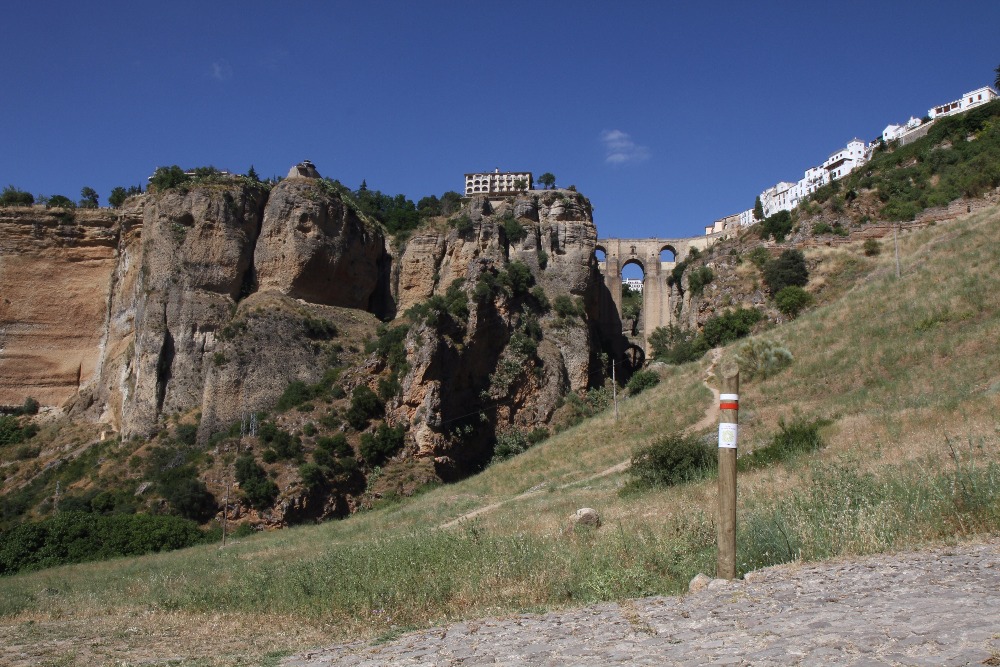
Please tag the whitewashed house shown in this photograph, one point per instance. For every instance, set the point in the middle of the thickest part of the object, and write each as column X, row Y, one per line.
column 968, row 101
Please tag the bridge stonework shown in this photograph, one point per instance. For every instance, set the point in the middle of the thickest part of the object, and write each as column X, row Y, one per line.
column 656, row 306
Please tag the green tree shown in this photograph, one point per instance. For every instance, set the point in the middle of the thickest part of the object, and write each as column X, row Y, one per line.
column 792, row 299
column 88, row 198
column 548, row 180
column 788, row 269
column 378, row 447
column 60, row 201
column 451, row 201
column 11, row 196
column 165, row 178
column 120, row 194
column 252, row 174
column 758, row 209
column 254, row 483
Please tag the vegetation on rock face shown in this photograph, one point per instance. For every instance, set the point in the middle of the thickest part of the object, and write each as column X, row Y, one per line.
column 776, row 226
column 959, row 157
column 788, row 269
column 11, row 196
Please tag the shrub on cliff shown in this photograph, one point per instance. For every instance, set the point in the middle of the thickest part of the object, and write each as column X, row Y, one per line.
column 260, row 491
column 674, row 345
column 11, row 196
column 788, row 269
column 376, row 448
column 365, row 406
column 777, row 226
column 165, row 178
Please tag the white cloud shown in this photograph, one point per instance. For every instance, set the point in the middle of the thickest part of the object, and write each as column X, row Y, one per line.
column 221, row 71
column 620, row 149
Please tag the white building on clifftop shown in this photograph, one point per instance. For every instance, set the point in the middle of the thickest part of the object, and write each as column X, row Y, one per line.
column 964, row 103
column 496, row 183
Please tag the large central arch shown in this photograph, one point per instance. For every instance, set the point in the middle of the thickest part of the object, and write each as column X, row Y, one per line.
column 656, row 310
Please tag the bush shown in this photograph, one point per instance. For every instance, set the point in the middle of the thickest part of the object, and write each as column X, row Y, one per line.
column 871, row 248
column 759, row 257
column 165, row 178
column 11, row 196
column 799, row 437
column 336, row 445
column 730, row 326
column 60, row 201
column 76, row 537
column 462, row 224
column 673, row 459
column 187, row 495
column 565, row 307
column 510, row 442
column 365, row 406
column 642, row 380
column 698, row 278
column 674, row 345
column 792, row 300
column 788, row 269
column 295, row 393
column 11, row 431
column 30, row 406
column 378, row 447
column 260, row 491
column 760, row 358
column 777, row 226
column 514, row 230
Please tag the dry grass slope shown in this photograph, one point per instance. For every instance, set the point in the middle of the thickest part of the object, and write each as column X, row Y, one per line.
column 907, row 370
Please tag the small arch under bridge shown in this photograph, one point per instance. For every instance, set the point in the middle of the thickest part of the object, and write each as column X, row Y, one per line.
column 646, row 253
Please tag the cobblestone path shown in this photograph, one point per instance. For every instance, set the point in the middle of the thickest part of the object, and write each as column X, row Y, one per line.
column 936, row 608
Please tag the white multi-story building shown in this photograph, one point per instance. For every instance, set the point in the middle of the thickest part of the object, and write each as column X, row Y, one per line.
column 633, row 284
column 892, row 132
column 778, row 197
column 968, row 101
column 844, row 161
column 496, row 183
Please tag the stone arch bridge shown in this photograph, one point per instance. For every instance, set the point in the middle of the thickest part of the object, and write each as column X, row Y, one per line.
column 646, row 253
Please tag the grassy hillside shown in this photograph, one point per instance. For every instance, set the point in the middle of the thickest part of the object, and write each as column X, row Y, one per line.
column 905, row 370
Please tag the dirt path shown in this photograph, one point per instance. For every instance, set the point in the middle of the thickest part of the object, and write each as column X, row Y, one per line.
column 710, row 417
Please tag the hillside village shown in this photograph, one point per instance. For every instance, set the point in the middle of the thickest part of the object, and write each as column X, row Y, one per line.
column 784, row 195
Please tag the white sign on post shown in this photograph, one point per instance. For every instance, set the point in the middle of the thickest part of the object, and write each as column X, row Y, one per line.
column 727, row 436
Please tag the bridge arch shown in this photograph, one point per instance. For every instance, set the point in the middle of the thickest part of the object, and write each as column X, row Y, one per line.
column 649, row 254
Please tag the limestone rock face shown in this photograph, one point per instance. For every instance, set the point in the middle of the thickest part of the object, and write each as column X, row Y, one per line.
column 197, row 249
column 314, row 247
column 55, row 277
column 482, row 366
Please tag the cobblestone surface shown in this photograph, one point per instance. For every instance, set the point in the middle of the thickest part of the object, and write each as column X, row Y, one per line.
column 938, row 607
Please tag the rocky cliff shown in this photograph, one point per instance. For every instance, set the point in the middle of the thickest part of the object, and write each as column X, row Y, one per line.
column 208, row 301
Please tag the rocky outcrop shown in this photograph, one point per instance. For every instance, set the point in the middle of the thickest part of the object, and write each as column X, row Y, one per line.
column 509, row 364
column 315, row 247
column 180, row 331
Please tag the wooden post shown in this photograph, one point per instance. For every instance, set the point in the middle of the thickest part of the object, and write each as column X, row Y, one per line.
column 728, row 428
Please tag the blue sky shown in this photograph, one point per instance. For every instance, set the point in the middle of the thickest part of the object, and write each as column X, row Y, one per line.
column 667, row 115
